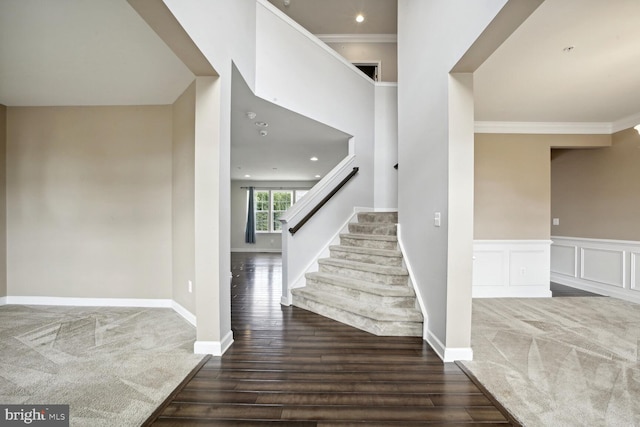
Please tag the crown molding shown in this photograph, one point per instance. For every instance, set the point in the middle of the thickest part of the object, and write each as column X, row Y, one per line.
column 626, row 122
column 358, row 38
column 544, row 127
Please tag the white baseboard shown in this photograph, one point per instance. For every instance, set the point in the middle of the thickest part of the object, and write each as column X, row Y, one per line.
column 101, row 302
column 215, row 348
column 285, row 301
column 435, row 344
column 256, row 250
column 186, row 314
column 452, row 354
column 89, row 302
column 412, row 282
column 511, row 268
column 448, row 354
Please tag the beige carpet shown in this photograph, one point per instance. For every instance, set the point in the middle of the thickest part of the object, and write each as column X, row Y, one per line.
column 560, row 361
column 113, row 366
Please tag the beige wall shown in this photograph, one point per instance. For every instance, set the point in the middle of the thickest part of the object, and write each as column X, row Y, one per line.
column 385, row 52
column 89, row 201
column 182, row 200
column 3, row 199
column 512, row 188
column 595, row 193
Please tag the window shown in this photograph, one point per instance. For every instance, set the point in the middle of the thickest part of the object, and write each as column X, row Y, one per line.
column 270, row 205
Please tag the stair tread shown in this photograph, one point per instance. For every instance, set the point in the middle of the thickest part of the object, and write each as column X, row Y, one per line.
column 383, row 237
column 363, row 266
column 362, row 285
column 368, row 251
column 376, row 313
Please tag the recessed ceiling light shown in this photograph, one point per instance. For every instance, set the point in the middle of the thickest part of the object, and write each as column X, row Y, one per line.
column 359, row 18
column 318, row 176
column 247, row 176
column 251, row 115
column 263, row 132
column 262, row 124
column 314, row 159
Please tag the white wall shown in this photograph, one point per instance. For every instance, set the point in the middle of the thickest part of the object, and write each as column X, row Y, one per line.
column 263, row 44
column 89, row 202
column 328, row 89
column 386, row 146
column 432, row 36
column 265, row 242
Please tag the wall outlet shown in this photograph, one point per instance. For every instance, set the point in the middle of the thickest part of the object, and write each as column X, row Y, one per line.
column 556, row 221
column 190, row 286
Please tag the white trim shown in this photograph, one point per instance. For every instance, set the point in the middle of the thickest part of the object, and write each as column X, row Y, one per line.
column 3, row 301
column 358, row 38
column 582, row 128
column 285, row 301
column 412, row 281
column 435, row 344
column 386, row 84
column 186, row 314
column 325, row 183
column 596, row 241
column 256, row 250
column 90, row 302
column 313, row 38
column 451, row 354
column 625, row 123
column 215, row 348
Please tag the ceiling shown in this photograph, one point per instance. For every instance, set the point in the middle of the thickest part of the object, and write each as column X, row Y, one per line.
column 74, row 52
column 78, row 52
column 292, row 140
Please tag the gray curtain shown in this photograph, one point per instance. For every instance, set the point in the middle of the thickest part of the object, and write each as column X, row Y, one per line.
column 250, row 232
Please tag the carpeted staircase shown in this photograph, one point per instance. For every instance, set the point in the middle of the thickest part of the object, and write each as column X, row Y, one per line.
column 364, row 283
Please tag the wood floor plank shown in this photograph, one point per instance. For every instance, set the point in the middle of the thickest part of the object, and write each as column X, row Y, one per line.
column 291, row 367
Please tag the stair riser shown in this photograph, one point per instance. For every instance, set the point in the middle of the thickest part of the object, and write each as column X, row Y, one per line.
column 375, row 229
column 367, row 258
column 387, row 279
column 363, row 297
column 380, row 328
column 366, row 243
column 385, row 217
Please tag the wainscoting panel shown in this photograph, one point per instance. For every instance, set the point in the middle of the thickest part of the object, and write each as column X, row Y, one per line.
column 635, row 271
column 606, row 267
column 564, row 259
column 603, row 266
column 511, row 268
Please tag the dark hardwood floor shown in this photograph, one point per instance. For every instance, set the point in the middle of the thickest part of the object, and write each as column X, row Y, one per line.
column 558, row 290
column 294, row 368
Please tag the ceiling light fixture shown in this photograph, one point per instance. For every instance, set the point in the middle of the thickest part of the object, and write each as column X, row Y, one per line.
column 637, row 128
column 360, row 18
column 286, row 3
column 318, row 176
column 262, row 124
column 263, row 132
column 251, row 115
column 314, row 159
column 247, row 176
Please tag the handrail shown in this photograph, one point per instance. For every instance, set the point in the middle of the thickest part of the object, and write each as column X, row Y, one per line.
column 307, row 217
